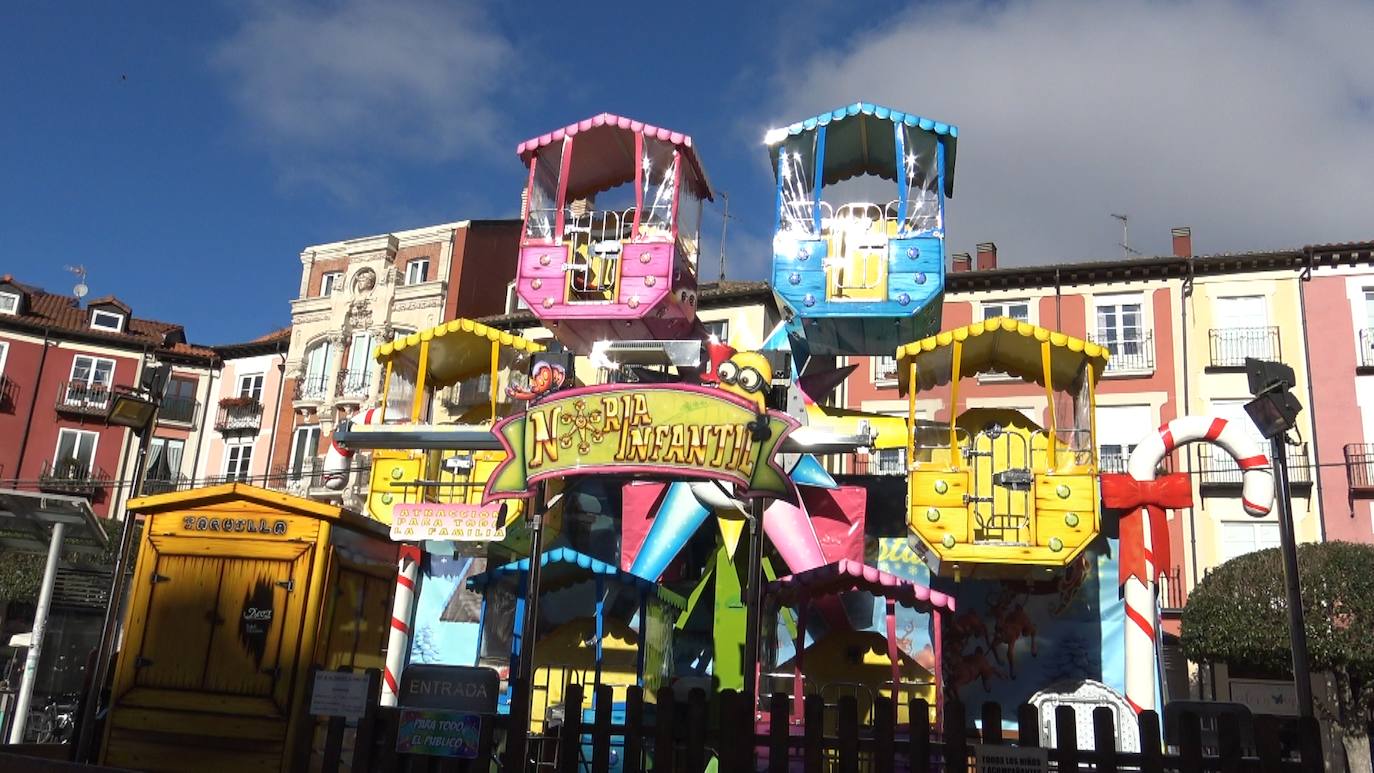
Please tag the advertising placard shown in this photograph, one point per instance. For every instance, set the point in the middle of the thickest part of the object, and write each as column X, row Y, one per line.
column 416, row 521
column 439, row 734
column 339, row 694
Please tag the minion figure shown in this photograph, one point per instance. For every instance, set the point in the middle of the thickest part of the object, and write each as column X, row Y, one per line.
column 747, row 374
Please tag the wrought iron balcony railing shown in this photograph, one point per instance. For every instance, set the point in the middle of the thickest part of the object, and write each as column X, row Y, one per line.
column 885, row 369
column 163, row 484
column 72, row 476
column 1231, row 346
column 235, row 416
column 312, row 387
column 79, row 397
column 1217, row 468
column 1172, row 593
column 9, row 394
column 354, row 383
column 1359, row 467
column 1365, row 356
column 179, row 410
column 1129, row 355
column 1119, row 462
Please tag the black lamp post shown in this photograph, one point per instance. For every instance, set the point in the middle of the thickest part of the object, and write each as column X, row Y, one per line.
column 137, row 410
column 1274, row 410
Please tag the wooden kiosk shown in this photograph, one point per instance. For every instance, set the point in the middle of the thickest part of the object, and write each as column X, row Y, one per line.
column 237, row 592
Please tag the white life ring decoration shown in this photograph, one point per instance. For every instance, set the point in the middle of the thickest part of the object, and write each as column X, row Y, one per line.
column 1257, row 472
column 336, row 459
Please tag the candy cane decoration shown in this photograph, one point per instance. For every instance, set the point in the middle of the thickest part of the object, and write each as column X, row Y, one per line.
column 402, row 618
column 337, row 458
column 1257, row 497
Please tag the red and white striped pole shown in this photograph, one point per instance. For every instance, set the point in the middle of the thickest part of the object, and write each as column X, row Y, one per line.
column 402, row 619
column 1257, row 497
column 337, row 458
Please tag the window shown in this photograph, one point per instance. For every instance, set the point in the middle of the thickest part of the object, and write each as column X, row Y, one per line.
column 330, row 282
column 1119, row 429
column 884, row 369
column 417, row 271
column 1241, row 537
column 305, row 443
column 1242, row 311
column 164, row 459
column 1368, row 307
column 720, row 329
column 316, row 368
column 1121, row 328
column 90, row 381
column 1017, row 310
column 889, row 461
column 4, row 354
column 75, row 454
column 179, row 401
column 251, row 386
column 107, row 320
column 357, row 378
column 237, row 462
column 9, row 303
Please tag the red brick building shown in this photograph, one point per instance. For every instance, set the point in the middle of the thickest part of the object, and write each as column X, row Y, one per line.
column 59, row 362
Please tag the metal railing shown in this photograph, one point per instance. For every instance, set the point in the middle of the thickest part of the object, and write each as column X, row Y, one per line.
column 72, row 477
column 1173, row 595
column 163, row 484
column 884, row 368
column 80, row 397
column 1366, row 353
column 1216, row 467
column 353, row 383
column 1129, row 355
column 181, row 410
column 239, row 417
column 1119, row 462
column 1359, row 466
column 889, row 461
column 1231, row 346
column 312, row 387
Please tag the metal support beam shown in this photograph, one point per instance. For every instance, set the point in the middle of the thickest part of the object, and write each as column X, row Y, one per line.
column 40, row 624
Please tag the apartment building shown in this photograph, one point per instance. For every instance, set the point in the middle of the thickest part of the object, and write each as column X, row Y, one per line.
column 247, row 407
column 1180, row 329
column 61, row 362
column 357, row 294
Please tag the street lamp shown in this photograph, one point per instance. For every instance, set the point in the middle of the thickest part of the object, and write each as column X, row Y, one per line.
column 1274, row 411
column 135, row 408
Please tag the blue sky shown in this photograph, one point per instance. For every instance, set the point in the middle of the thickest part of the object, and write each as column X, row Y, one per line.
column 185, row 153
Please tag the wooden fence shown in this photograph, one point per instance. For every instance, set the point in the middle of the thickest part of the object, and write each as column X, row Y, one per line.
column 687, row 735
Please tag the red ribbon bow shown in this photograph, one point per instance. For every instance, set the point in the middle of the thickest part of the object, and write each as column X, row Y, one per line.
column 1144, row 497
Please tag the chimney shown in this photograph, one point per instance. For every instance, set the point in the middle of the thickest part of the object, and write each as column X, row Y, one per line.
column 960, row 262
column 1183, row 242
column 987, row 256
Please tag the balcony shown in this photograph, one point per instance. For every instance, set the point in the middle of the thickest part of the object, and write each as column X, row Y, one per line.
column 83, row 399
column 314, row 387
column 1359, row 469
column 239, row 414
column 884, row 369
column 1172, row 593
column 9, row 394
column 1119, row 462
column 353, row 385
column 72, row 476
column 1231, row 346
column 889, row 461
column 165, row 484
column 1217, row 469
column 178, row 410
column 1364, row 359
column 1135, row 355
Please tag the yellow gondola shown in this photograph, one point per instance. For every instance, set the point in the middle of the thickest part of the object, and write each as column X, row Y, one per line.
column 469, row 366
column 991, row 493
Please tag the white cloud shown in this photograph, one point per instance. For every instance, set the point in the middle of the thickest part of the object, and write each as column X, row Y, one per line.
column 1252, row 122
column 326, row 85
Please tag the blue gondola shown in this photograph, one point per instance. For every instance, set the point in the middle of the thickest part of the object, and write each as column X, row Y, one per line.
column 860, row 273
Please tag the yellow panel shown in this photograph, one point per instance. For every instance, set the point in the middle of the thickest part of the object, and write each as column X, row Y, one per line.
column 239, row 661
column 239, row 520
column 126, row 750
column 940, row 488
column 270, row 729
column 1054, row 525
column 391, row 471
column 181, row 621
column 948, row 521
column 1066, row 492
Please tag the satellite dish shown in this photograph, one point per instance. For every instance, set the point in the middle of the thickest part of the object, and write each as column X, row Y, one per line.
column 80, row 290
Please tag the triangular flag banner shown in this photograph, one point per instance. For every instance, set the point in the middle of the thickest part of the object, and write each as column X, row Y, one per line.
column 731, row 529
column 809, row 472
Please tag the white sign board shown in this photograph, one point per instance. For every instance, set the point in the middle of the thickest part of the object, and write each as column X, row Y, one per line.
column 1263, row 696
column 1010, row 759
column 339, row 694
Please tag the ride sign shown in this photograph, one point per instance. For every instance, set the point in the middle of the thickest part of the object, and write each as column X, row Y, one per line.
column 677, row 430
column 454, row 688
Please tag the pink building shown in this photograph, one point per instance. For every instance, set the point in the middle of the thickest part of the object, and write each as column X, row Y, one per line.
column 245, row 411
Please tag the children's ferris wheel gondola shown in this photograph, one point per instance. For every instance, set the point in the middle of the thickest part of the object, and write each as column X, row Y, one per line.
column 611, row 239
column 858, row 262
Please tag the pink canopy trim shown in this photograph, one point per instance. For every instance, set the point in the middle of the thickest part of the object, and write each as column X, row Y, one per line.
column 846, row 575
column 614, row 150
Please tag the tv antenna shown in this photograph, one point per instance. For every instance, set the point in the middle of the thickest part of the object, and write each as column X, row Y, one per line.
column 81, row 289
column 1125, row 245
column 724, row 223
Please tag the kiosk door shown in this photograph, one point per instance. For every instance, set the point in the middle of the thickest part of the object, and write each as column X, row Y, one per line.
column 220, row 625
